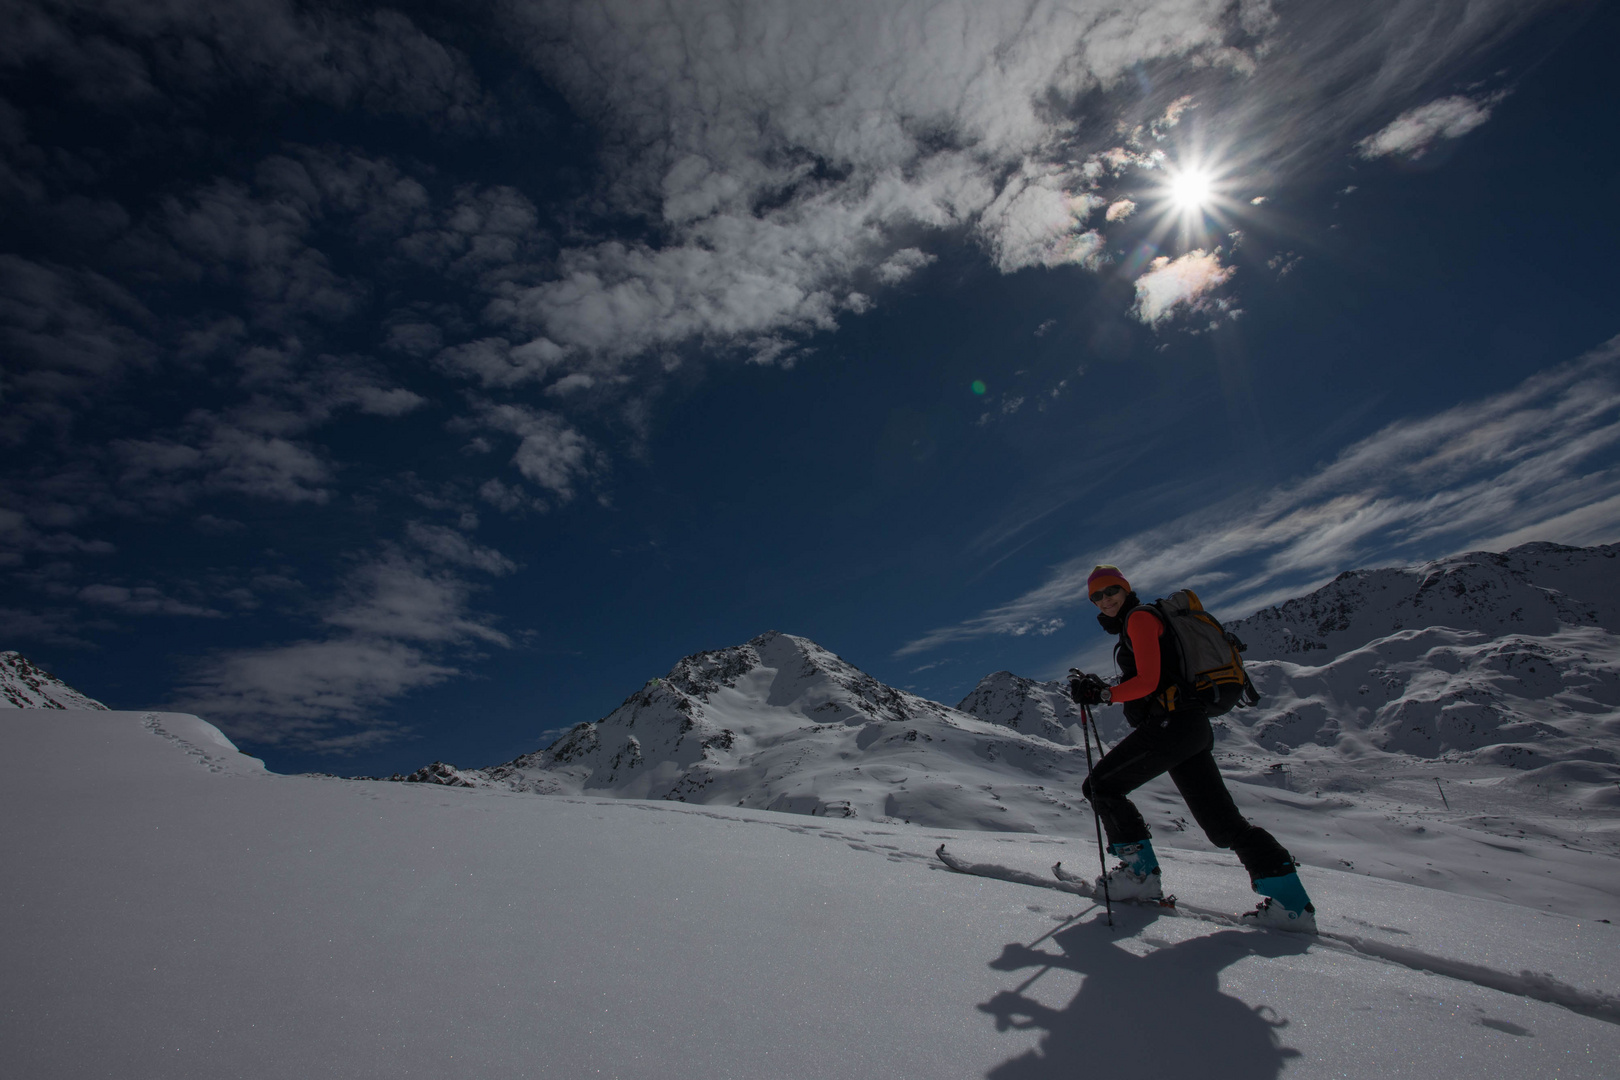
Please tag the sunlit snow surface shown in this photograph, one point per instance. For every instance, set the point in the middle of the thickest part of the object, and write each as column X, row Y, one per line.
column 172, row 910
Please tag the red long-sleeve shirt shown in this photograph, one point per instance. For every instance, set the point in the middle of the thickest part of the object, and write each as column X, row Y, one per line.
column 1144, row 631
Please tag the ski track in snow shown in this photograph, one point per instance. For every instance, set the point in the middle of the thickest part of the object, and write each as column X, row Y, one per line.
column 1540, row 986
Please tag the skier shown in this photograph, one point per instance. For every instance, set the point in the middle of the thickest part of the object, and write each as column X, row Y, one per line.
column 1170, row 733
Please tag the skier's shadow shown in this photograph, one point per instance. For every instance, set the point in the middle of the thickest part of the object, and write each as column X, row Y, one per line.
column 1163, row 1012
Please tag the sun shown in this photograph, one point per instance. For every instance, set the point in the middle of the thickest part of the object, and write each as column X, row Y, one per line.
column 1192, row 189
column 1193, row 194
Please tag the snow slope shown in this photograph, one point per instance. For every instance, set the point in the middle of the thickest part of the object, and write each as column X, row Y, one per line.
column 25, row 686
column 178, row 912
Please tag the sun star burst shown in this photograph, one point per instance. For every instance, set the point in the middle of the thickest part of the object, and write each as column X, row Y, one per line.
column 1191, row 189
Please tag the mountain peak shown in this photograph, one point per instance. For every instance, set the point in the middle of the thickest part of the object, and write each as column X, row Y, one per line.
column 781, row 723
column 25, row 685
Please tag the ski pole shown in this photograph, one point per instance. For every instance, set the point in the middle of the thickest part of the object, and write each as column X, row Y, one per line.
column 1086, row 724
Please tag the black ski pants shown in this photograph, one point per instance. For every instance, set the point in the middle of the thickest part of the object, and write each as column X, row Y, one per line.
column 1181, row 747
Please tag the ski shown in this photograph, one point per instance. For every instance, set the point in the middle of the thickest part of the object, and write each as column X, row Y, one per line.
column 1064, row 882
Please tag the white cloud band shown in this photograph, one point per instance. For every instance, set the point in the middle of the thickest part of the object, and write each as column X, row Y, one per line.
column 1534, row 462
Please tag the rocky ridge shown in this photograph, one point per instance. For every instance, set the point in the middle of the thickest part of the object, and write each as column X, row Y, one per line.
column 1532, row 590
column 25, row 685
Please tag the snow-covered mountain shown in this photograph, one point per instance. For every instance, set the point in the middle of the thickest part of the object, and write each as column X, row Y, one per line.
column 1039, row 708
column 1484, row 659
column 1509, row 659
column 782, row 724
column 23, row 685
column 1535, row 589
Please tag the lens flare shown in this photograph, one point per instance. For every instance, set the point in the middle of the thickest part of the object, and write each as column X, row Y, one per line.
column 978, row 387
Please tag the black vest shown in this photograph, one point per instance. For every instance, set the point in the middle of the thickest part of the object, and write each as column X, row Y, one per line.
column 1161, row 703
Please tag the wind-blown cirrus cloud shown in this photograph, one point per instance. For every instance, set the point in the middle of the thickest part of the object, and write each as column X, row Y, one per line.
column 1537, row 462
column 394, row 623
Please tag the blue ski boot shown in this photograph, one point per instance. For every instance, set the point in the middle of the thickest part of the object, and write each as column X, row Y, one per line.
column 1137, row 875
column 1285, row 907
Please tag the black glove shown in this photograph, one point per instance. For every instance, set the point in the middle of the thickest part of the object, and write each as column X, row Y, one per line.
column 1086, row 689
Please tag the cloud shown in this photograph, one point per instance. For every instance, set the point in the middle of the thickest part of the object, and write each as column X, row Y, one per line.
column 290, row 695
column 133, row 53
column 225, row 232
column 551, row 453
column 261, row 236
column 67, row 335
column 1539, row 459
column 142, row 600
column 51, row 626
column 778, row 180
column 394, row 619
column 743, row 203
column 223, row 458
column 486, row 231
column 1180, row 283
column 901, row 265
column 414, row 338
column 397, row 597
column 39, row 528
column 1412, row 133
column 453, row 547
column 1037, row 221
column 494, row 362
column 1120, row 210
column 779, row 177
column 254, row 448
column 510, row 498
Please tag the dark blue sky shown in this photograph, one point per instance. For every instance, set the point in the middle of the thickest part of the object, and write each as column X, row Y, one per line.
column 396, row 384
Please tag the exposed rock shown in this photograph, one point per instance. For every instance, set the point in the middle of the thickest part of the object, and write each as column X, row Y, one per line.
column 23, row 685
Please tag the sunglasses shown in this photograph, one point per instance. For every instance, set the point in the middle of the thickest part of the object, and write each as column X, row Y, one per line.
column 1102, row 594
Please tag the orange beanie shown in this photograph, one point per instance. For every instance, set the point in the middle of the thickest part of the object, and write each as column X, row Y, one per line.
column 1104, row 576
